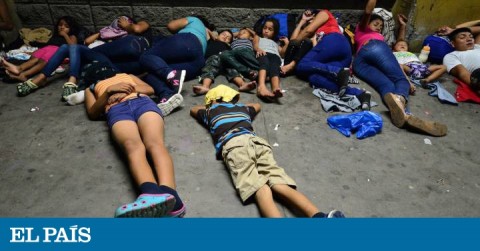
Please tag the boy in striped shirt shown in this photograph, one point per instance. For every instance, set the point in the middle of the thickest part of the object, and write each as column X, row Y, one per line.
column 248, row 157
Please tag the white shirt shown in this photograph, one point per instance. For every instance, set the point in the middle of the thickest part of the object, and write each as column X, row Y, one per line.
column 470, row 59
column 268, row 45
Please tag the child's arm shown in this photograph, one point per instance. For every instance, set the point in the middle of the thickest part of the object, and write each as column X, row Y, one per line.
column 194, row 110
column 402, row 30
column 95, row 107
column 367, row 14
column 461, row 73
column 142, row 87
column 259, row 51
column 132, row 28
column 177, row 24
column 320, row 19
column 468, row 24
column 90, row 39
column 70, row 39
column 255, row 106
column 252, row 32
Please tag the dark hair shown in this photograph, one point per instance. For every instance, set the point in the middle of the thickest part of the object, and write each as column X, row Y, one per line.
column 205, row 22
column 400, row 40
column 276, row 27
column 74, row 27
column 229, row 31
column 96, row 72
column 455, row 32
column 374, row 17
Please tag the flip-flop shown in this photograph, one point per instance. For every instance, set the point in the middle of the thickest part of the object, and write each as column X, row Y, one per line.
column 147, row 205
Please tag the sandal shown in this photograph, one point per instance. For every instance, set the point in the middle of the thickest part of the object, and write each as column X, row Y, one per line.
column 147, row 205
column 25, row 88
column 69, row 88
column 180, row 213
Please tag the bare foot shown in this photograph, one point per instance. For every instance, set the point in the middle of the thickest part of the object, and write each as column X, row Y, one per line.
column 20, row 77
column 13, row 69
column 246, row 87
column 264, row 92
column 286, row 69
column 278, row 93
column 200, row 89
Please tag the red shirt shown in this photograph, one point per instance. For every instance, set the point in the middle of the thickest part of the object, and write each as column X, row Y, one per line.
column 330, row 26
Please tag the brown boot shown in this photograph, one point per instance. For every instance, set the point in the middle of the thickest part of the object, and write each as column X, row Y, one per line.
column 424, row 126
column 396, row 105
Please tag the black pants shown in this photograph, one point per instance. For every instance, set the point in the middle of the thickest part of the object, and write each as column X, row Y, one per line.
column 271, row 63
column 297, row 49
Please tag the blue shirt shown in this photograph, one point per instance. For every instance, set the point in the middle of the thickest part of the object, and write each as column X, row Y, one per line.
column 196, row 27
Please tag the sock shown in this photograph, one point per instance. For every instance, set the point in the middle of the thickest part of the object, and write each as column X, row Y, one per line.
column 150, row 188
column 76, row 98
column 179, row 203
column 171, row 74
column 319, row 215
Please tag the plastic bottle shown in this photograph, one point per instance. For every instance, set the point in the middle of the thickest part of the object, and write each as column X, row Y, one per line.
column 423, row 57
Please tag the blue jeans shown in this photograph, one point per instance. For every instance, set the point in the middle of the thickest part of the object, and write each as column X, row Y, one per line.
column 78, row 54
column 322, row 63
column 181, row 51
column 125, row 52
column 376, row 65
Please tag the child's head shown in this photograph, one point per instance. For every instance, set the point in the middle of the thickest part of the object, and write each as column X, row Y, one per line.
column 221, row 94
column 225, row 36
column 400, row 45
column 270, row 28
column 97, row 72
column 462, row 39
column 376, row 23
column 244, row 34
column 67, row 24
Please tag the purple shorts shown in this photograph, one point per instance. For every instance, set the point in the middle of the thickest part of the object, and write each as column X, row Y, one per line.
column 131, row 109
column 418, row 70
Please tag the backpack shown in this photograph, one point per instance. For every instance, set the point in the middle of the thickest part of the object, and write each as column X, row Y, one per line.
column 439, row 47
column 349, row 33
column 286, row 21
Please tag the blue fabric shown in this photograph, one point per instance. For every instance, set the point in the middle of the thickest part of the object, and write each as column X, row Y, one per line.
column 196, row 27
column 131, row 109
column 322, row 63
column 376, row 65
column 365, row 124
column 437, row 90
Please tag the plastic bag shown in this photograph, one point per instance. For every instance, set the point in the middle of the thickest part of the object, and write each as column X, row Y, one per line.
column 365, row 124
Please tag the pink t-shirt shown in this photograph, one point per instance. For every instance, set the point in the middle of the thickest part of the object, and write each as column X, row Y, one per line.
column 363, row 36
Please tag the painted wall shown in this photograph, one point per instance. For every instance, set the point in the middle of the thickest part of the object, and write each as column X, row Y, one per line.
column 427, row 15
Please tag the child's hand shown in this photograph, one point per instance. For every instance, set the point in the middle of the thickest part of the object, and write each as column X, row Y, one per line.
column 63, row 33
column 115, row 98
column 402, row 19
column 444, row 30
column 122, row 87
column 260, row 53
column 123, row 22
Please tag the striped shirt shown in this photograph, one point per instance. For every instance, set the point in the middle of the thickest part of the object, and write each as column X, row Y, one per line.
column 241, row 43
column 227, row 120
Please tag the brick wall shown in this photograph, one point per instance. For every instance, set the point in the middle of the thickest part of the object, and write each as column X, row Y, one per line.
column 224, row 14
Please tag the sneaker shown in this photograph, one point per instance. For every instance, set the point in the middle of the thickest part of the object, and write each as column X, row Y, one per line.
column 76, row 98
column 180, row 213
column 25, row 88
column 342, row 80
column 60, row 69
column 335, row 214
column 396, row 105
column 353, row 80
column 427, row 127
column 176, row 82
column 171, row 104
column 364, row 99
column 147, row 205
column 69, row 88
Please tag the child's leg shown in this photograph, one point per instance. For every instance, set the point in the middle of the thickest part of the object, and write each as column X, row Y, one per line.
column 277, row 91
column 262, row 90
column 244, row 86
column 436, row 72
column 266, row 204
column 17, row 69
column 34, row 69
column 294, row 198
column 209, row 72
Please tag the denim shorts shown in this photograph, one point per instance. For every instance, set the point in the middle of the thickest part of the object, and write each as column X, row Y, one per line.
column 131, row 109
